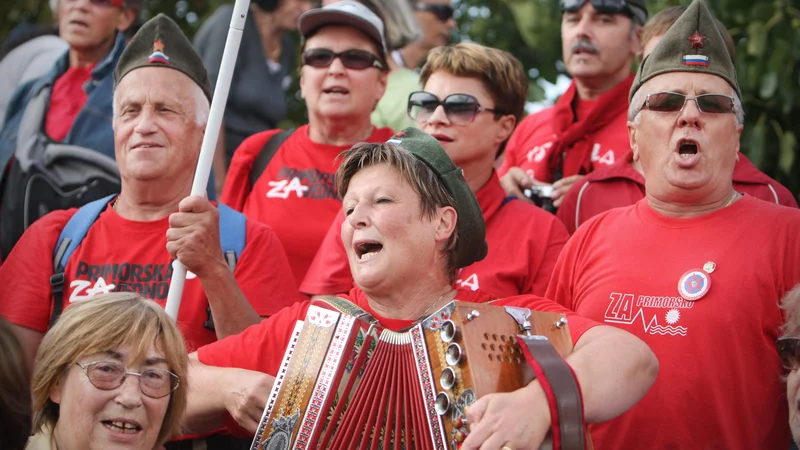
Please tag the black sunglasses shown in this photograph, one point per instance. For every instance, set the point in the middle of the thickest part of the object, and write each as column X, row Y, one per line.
column 460, row 109
column 606, row 7
column 442, row 11
column 673, row 101
column 352, row 59
column 789, row 352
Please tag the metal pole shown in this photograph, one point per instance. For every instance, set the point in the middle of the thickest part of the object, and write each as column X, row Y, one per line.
column 209, row 146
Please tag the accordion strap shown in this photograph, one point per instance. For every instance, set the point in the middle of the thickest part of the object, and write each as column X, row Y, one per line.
column 344, row 306
column 563, row 392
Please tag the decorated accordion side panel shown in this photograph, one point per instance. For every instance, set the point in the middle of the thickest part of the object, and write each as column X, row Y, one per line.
column 279, row 430
column 474, row 351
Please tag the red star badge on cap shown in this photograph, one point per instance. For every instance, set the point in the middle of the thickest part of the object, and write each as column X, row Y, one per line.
column 697, row 39
column 158, row 46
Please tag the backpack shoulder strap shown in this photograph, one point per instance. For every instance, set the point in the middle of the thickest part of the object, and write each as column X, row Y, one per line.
column 232, row 234
column 267, row 152
column 232, row 239
column 71, row 236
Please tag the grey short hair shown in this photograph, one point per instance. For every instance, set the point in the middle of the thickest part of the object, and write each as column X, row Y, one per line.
column 637, row 103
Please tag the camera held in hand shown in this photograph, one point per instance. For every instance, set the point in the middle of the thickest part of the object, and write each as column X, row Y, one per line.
column 541, row 196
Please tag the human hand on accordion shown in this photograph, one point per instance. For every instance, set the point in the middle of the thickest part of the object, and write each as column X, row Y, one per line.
column 245, row 400
column 515, row 420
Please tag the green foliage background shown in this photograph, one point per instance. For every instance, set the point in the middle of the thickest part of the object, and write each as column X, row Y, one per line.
column 767, row 36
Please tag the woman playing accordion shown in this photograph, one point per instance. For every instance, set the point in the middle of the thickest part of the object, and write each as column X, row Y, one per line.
column 412, row 221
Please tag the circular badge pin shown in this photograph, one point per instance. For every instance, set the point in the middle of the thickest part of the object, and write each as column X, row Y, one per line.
column 710, row 267
column 694, row 284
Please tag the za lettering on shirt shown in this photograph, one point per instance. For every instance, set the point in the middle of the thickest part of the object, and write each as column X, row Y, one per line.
column 148, row 280
column 657, row 315
column 299, row 183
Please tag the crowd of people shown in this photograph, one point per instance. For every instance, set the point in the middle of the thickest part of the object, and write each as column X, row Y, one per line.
column 417, row 180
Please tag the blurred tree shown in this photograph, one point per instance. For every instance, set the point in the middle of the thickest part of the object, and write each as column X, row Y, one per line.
column 767, row 36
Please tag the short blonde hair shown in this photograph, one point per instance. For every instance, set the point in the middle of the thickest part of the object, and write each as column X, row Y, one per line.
column 500, row 72
column 100, row 324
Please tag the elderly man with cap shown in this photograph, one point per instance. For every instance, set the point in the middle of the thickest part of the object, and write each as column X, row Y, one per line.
column 412, row 221
column 161, row 104
column 586, row 127
column 285, row 178
column 623, row 183
column 694, row 269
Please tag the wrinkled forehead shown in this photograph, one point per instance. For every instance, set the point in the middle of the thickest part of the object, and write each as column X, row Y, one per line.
column 690, row 83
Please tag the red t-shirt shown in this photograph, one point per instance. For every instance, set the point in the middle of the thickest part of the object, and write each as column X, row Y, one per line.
column 123, row 255
column 295, row 195
column 530, row 146
column 524, row 243
column 66, row 101
column 261, row 347
column 719, row 384
column 621, row 185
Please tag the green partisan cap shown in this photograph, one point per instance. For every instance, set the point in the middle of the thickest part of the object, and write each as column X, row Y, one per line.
column 692, row 44
column 161, row 43
column 471, row 244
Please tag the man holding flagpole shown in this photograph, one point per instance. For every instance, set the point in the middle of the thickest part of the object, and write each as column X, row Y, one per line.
column 161, row 105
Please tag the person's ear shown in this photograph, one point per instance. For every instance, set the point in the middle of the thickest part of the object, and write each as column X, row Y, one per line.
column 507, row 124
column 126, row 18
column 55, row 391
column 632, row 140
column 446, row 224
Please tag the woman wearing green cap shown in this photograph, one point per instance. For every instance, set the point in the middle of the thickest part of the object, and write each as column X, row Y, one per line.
column 411, row 223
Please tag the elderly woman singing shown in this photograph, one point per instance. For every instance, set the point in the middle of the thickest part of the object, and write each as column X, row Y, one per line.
column 411, row 222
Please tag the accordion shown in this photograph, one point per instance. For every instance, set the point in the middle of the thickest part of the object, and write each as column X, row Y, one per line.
column 347, row 383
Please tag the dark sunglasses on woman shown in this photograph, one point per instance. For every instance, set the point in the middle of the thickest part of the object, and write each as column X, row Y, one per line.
column 789, row 352
column 673, row 101
column 460, row 109
column 442, row 11
column 352, row 59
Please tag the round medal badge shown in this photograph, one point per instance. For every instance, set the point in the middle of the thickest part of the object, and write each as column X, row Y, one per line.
column 694, row 284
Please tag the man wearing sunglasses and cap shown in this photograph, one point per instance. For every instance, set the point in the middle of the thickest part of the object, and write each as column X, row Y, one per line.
column 623, row 183
column 684, row 269
column 285, row 178
column 586, row 127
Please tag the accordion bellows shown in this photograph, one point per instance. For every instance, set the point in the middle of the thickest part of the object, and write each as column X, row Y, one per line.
column 348, row 383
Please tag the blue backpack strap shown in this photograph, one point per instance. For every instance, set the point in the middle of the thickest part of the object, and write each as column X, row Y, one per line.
column 71, row 236
column 232, row 239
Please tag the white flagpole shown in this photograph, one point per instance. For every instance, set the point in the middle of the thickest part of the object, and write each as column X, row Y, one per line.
column 201, row 173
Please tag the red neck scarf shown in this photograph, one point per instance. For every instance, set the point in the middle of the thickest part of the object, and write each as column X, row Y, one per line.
column 572, row 152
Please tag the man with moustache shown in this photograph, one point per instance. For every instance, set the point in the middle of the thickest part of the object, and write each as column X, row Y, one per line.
column 623, row 183
column 695, row 269
column 586, row 127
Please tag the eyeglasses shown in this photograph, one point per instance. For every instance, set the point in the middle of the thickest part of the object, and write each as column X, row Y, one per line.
column 460, row 109
column 606, row 7
column 442, row 11
column 352, row 59
column 109, row 375
column 789, row 352
column 672, row 102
